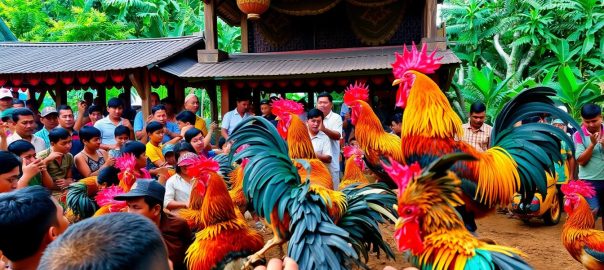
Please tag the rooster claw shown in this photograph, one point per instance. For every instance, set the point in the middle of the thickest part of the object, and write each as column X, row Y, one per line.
column 253, row 261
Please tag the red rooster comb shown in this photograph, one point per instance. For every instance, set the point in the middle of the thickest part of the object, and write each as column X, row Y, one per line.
column 285, row 106
column 356, row 91
column 350, row 150
column 126, row 161
column 201, row 166
column 580, row 187
column 402, row 175
column 414, row 60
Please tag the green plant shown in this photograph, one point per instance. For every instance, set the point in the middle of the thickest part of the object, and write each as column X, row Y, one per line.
column 574, row 92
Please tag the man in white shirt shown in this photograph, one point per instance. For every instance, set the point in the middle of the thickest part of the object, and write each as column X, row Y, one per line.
column 232, row 118
column 25, row 125
column 332, row 127
column 320, row 141
column 6, row 99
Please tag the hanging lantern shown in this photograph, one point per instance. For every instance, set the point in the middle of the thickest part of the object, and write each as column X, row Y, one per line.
column 83, row 77
column 297, row 82
column 34, row 79
column 239, row 84
column 50, row 79
column 16, row 79
column 3, row 80
column 378, row 80
column 118, row 76
column 252, row 84
column 267, row 84
column 67, row 78
column 253, row 8
column 313, row 82
column 282, row 83
column 100, row 77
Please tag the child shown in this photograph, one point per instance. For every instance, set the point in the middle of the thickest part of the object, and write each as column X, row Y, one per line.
column 92, row 158
column 95, row 113
column 168, row 152
column 122, row 135
column 137, row 149
column 58, row 160
column 155, row 132
column 34, row 170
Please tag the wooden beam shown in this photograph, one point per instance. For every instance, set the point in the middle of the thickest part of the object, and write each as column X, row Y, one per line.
column 179, row 95
column 210, row 31
column 128, row 92
column 429, row 29
column 244, row 34
column 140, row 81
column 224, row 98
column 213, row 95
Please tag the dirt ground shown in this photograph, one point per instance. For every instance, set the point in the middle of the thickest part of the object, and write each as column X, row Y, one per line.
column 541, row 243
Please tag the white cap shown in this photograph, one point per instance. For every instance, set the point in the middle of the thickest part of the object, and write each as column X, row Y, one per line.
column 5, row 92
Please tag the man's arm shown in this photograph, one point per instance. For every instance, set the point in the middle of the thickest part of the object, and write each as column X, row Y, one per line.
column 82, row 106
column 336, row 132
column 584, row 153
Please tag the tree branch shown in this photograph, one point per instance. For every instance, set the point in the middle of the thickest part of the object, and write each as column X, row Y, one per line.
column 526, row 60
column 500, row 51
column 497, row 72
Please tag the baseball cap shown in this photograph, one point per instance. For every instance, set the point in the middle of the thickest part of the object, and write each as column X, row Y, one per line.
column 8, row 113
column 558, row 121
column 5, row 93
column 144, row 188
column 264, row 101
column 48, row 110
column 168, row 148
column 187, row 159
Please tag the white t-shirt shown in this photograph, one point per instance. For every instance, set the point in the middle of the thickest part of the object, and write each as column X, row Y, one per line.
column 321, row 144
column 39, row 144
column 231, row 119
column 333, row 122
column 177, row 189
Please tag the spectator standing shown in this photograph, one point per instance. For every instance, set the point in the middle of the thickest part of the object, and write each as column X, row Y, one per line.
column 320, row 141
column 185, row 121
column 332, row 127
column 107, row 125
column 66, row 121
column 146, row 198
column 23, row 120
column 476, row 132
column 92, row 158
column 33, row 170
column 50, row 119
column 155, row 131
column 200, row 144
column 232, row 118
column 590, row 154
column 566, row 169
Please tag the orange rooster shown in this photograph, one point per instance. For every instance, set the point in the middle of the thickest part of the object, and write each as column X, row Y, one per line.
column 354, row 168
column 518, row 158
column 224, row 238
column 584, row 243
column 429, row 227
column 369, row 133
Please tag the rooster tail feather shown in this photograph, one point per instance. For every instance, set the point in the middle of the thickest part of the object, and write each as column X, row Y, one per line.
column 509, row 261
column 367, row 206
column 79, row 202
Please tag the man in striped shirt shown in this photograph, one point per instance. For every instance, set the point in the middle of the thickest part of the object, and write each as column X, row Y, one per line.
column 476, row 132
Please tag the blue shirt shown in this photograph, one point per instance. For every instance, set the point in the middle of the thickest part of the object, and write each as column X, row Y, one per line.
column 43, row 133
column 172, row 127
column 107, row 129
column 594, row 169
column 138, row 122
column 231, row 119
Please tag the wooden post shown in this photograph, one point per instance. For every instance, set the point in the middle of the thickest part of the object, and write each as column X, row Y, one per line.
column 179, row 95
column 224, row 98
column 140, row 81
column 244, row 34
column 256, row 99
column 213, row 95
column 128, row 93
column 210, row 31
column 429, row 29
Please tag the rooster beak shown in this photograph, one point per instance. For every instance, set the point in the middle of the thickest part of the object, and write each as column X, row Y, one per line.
column 399, row 224
column 396, row 82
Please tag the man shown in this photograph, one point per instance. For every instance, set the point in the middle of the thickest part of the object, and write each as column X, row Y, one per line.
column 50, row 119
column 66, row 121
column 112, row 242
column 30, row 219
column 232, row 118
column 24, row 123
column 590, row 153
column 192, row 105
column 107, row 125
column 160, row 114
column 146, row 198
column 128, row 112
column 186, row 120
column 476, row 132
column 396, row 123
column 139, row 122
column 332, row 127
column 6, row 99
column 320, row 141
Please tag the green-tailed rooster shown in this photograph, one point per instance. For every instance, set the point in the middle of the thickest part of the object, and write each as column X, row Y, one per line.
column 369, row 133
column 324, row 229
column 518, row 157
column 579, row 237
column 429, row 227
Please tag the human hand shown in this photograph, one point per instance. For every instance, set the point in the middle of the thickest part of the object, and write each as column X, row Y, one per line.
column 213, row 126
column 33, row 168
column 276, row 264
column 63, row 183
column 594, row 137
column 55, row 155
column 3, row 128
column 149, row 118
column 82, row 106
column 127, row 124
column 110, row 161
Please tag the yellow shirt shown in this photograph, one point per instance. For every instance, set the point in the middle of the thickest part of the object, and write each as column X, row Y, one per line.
column 200, row 124
column 154, row 153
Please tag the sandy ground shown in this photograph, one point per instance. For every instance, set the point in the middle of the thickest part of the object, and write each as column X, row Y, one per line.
column 541, row 243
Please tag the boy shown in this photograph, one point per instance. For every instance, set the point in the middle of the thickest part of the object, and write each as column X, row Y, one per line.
column 122, row 135
column 155, row 132
column 95, row 113
column 34, row 170
column 58, row 160
column 92, row 158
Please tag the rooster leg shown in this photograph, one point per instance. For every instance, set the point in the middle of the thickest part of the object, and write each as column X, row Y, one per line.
column 276, row 241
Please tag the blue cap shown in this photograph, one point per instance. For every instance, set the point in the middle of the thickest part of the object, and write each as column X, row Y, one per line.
column 167, row 148
column 144, row 188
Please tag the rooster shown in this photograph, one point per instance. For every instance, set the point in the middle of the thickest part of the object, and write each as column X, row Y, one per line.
column 518, row 158
column 317, row 223
column 224, row 238
column 369, row 133
column 430, row 229
column 79, row 202
column 354, row 167
column 584, row 243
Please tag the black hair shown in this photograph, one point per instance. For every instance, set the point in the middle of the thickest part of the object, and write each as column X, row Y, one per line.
column 242, row 98
column 25, row 217
column 325, row 94
column 108, row 176
column 87, row 133
column 192, row 132
column 19, row 147
column 119, row 241
column 64, row 108
column 588, row 111
column 532, row 119
column 156, row 108
column 152, row 202
column 155, row 94
column 94, row 108
column 153, row 126
column 477, row 107
column 186, row 117
column 21, row 111
column 397, row 118
column 9, row 161
column 167, row 100
column 121, row 130
column 221, row 142
column 265, row 102
column 57, row 134
column 313, row 113
column 18, row 101
column 182, row 146
column 115, row 103
column 134, row 147
column 88, row 94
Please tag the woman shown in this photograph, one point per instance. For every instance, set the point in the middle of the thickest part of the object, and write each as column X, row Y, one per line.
column 178, row 187
column 199, row 143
